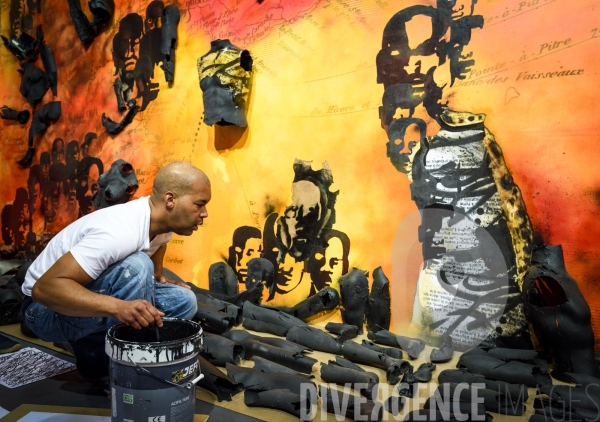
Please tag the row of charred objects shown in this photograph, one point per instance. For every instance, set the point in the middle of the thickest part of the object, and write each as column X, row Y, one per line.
column 35, row 82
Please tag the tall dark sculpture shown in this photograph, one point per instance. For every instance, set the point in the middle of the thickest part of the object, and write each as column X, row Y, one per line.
column 559, row 314
column 225, row 72
column 116, row 186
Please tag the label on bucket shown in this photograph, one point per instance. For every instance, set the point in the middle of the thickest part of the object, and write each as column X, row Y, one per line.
column 162, row 418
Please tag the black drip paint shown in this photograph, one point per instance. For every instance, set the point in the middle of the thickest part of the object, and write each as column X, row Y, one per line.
column 170, row 331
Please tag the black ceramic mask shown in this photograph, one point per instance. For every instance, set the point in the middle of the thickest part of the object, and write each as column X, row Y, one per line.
column 116, row 186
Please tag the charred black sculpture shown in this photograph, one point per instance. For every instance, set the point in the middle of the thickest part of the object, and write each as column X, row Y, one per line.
column 260, row 269
column 314, row 338
column 102, row 10
column 260, row 381
column 344, row 331
column 333, row 372
column 354, row 288
column 412, row 346
column 268, row 367
column 512, row 371
column 454, row 410
column 222, row 279
column 170, row 19
column 9, row 114
column 359, row 354
column 423, row 373
column 392, row 352
column 82, row 25
column 230, row 309
column 217, row 382
column 379, row 313
column 47, row 60
column 219, row 350
column 257, row 318
column 34, row 83
column 212, row 320
column 113, row 127
column 23, row 47
column 116, row 186
column 296, row 361
column 463, row 376
column 324, row 300
column 44, row 117
column 224, row 74
column 240, row 336
column 444, row 353
column 559, row 314
column 253, row 295
column 493, row 401
column 336, row 400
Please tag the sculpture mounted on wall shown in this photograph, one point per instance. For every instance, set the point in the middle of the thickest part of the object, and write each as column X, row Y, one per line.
column 102, row 10
column 225, row 72
column 475, row 229
column 116, row 186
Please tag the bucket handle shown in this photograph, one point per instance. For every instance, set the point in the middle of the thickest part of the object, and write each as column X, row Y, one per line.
column 187, row 386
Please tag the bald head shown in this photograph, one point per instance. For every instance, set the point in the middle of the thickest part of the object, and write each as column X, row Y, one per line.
column 178, row 177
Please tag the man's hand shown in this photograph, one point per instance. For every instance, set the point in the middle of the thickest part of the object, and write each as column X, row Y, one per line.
column 162, row 279
column 139, row 314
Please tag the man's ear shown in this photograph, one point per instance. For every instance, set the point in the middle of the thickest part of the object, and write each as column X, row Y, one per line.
column 170, row 199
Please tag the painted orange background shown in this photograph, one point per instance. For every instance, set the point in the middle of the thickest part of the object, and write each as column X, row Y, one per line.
column 314, row 97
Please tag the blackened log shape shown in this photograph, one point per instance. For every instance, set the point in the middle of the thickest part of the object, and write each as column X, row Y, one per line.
column 219, row 350
column 257, row 380
column 427, row 415
column 444, row 353
column 559, row 314
column 359, row 354
column 344, row 331
column 513, row 372
column 324, row 300
column 113, row 127
column 34, row 83
column 392, row 352
column 412, row 346
column 566, row 395
column 340, row 361
column 528, row 356
column 408, row 386
column 354, row 288
column 271, row 317
column 314, row 338
column 379, row 312
column 423, row 373
column 260, row 269
column 217, row 382
column 463, row 376
column 278, row 399
column 553, row 418
column 48, row 61
column 369, row 411
column 230, row 309
column 453, row 407
column 583, row 380
column 240, row 336
column 222, row 279
column 84, row 29
column 253, row 295
column 118, row 87
column 269, row 367
column 554, row 411
column 10, row 114
column 264, row 327
column 212, row 320
column 44, row 117
column 296, row 361
column 394, row 404
column 492, row 401
column 341, row 375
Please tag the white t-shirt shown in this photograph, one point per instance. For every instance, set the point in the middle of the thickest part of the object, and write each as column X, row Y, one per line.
column 100, row 239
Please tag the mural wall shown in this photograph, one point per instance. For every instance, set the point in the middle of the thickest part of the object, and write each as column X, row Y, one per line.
column 332, row 163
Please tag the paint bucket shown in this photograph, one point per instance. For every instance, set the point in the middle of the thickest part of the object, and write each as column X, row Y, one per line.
column 154, row 380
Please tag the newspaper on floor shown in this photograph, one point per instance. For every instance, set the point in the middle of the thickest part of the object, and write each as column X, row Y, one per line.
column 29, row 365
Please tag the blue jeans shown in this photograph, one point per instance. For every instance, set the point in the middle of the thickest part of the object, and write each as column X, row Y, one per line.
column 129, row 279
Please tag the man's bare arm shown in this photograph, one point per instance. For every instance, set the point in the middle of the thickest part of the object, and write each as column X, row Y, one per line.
column 61, row 289
column 158, row 258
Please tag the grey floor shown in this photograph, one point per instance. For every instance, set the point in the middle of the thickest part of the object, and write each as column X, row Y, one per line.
column 69, row 390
